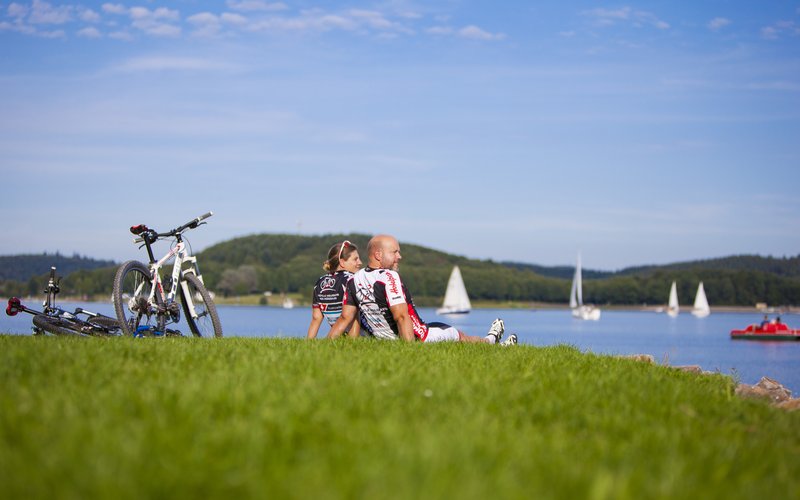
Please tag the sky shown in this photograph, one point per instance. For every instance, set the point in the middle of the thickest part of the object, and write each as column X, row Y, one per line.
column 635, row 133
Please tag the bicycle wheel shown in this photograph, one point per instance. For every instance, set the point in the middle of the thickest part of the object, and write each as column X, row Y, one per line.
column 109, row 326
column 207, row 322
column 58, row 326
column 132, row 286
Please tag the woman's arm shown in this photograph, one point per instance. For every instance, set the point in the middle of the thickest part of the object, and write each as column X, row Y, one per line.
column 316, row 320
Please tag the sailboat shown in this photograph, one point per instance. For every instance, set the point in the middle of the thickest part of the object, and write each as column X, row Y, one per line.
column 456, row 300
column 701, row 309
column 579, row 310
column 672, row 307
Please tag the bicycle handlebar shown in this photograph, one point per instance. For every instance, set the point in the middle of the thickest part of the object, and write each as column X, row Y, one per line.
column 192, row 223
column 153, row 236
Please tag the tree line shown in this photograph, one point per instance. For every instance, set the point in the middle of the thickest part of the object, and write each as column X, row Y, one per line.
column 292, row 263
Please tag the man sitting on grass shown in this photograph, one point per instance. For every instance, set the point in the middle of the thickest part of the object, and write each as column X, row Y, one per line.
column 385, row 308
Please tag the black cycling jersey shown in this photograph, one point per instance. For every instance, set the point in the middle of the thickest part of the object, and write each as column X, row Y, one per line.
column 373, row 292
column 329, row 294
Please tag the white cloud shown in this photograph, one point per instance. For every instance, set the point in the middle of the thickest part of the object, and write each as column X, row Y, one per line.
column 89, row 32
column 636, row 18
column 255, row 5
column 472, row 32
column 203, row 18
column 780, row 29
column 51, row 34
column 476, row 33
column 44, row 13
column 139, row 13
column 609, row 16
column 114, row 8
column 121, row 35
column 155, row 22
column 89, row 16
column 718, row 23
column 235, row 19
column 17, row 10
column 206, row 24
column 769, row 32
column 313, row 20
column 163, row 63
column 440, row 30
column 371, row 18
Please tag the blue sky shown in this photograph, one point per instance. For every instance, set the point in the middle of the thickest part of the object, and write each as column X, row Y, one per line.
column 634, row 132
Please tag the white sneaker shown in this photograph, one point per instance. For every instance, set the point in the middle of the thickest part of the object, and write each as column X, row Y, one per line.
column 511, row 340
column 496, row 330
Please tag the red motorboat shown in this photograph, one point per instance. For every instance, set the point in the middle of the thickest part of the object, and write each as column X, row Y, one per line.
column 771, row 331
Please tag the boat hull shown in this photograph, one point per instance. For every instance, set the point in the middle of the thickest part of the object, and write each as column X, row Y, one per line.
column 770, row 332
column 743, row 335
column 587, row 313
column 452, row 311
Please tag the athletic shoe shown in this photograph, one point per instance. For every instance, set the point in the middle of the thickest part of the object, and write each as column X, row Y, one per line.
column 511, row 340
column 496, row 330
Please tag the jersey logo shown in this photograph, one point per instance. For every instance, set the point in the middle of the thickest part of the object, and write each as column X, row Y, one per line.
column 327, row 282
column 392, row 283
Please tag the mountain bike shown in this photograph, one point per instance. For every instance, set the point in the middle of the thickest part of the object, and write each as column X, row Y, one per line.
column 146, row 305
column 57, row 321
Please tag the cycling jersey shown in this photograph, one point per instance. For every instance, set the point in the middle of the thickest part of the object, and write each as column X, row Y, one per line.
column 373, row 292
column 329, row 294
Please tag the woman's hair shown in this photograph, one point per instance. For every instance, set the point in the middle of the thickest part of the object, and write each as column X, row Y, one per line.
column 339, row 251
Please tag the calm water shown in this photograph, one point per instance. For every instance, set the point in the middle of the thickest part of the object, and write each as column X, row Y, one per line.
column 684, row 340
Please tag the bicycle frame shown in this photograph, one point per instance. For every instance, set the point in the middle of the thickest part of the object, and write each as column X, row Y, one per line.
column 157, row 293
column 157, row 296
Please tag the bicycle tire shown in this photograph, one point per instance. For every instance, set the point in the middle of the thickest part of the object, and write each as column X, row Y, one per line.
column 110, row 326
column 132, row 285
column 207, row 322
column 58, row 326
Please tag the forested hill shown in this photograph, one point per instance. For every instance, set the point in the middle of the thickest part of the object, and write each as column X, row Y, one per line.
column 292, row 263
column 281, row 262
column 24, row 267
column 785, row 266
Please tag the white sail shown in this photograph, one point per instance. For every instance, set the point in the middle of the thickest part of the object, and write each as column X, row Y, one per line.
column 573, row 293
column 673, row 307
column 701, row 309
column 579, row 310
column 456, row 300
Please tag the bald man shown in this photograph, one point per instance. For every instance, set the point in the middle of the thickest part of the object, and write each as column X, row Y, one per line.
column 386, row 308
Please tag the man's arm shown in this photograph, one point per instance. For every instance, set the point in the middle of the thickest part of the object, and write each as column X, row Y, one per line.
column 405, row 329
column 347, row 317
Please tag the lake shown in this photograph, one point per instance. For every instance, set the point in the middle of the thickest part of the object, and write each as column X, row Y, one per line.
column 684, row 340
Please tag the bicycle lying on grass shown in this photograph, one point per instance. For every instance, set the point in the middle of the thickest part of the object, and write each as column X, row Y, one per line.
column 57, row 321
column 144, row 308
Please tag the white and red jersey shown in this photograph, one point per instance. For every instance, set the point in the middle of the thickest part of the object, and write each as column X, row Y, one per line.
column 374, row 292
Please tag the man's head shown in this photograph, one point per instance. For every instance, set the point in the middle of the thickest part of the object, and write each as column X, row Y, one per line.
column 384, row 252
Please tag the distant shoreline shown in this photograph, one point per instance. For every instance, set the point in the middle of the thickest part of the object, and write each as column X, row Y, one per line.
column 276, row 301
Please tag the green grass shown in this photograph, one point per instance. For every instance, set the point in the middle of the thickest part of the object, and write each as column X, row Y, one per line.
column 288, row 418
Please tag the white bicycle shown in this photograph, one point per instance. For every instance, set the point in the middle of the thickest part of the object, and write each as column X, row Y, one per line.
column 143, row 306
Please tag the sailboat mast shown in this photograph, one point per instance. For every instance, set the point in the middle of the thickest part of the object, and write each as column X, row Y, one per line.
column 579, row 281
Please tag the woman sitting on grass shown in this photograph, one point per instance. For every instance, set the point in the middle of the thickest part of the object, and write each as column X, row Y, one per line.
column 326, row 302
